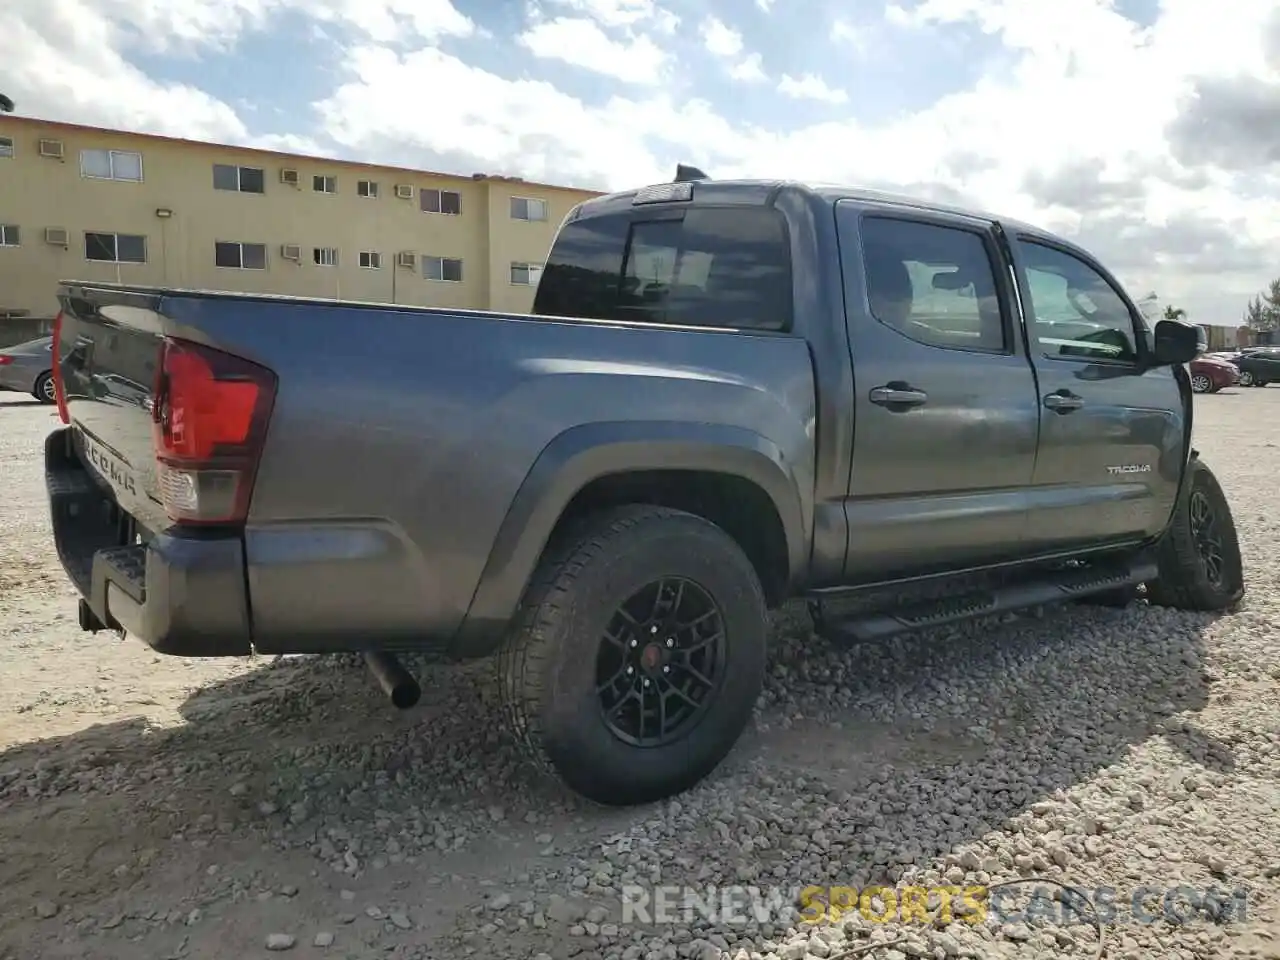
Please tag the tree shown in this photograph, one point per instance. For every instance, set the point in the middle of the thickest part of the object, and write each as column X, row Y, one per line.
column 1263, row 311
column 1253, row 314
column 1271, row 306
column 6, row 104
column 1174, row 313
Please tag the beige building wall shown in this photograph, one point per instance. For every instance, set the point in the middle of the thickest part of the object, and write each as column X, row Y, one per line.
column 120, row 186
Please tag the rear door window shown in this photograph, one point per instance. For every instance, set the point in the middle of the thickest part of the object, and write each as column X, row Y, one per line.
column 707, row 267
column 933, row 283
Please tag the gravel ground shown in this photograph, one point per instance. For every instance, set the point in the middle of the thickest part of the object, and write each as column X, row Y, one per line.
column 160, row 808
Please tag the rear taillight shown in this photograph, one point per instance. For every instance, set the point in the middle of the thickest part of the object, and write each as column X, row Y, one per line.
column 5, row 360
column 59, row 390
column 210, row 419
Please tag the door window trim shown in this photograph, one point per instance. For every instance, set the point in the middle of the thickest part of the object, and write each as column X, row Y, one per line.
column 985, row 232
column 1137, row 328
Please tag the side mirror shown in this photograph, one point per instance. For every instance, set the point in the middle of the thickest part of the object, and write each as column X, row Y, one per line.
column 1175, row 342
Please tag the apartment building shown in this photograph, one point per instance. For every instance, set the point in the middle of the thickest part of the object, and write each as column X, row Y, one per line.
column 81, row 203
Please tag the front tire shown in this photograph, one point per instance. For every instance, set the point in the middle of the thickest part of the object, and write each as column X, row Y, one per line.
column 1199, row 555
column 1246, row 378
column 43, row 390
column 641, row 616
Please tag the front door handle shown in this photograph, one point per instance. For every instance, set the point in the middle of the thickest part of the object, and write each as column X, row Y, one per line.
column 1063, row 401
column 898, row 395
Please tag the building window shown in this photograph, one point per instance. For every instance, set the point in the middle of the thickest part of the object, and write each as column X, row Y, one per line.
column 442, row 268
column 525, row 208
column 371, row 259
column 115, row 247
column 6, row 148
column 9, row 235
column 240, row 256
column 227, row 176
column 526, row 274
column 440, row 201
column 325, row 256
column 367, row 188
column 324, row 184
column 111, row 165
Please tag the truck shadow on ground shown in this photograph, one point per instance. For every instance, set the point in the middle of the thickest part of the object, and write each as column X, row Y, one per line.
column 304, row 764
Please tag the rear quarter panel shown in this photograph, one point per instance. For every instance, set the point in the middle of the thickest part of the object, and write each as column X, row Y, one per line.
column 399, row 440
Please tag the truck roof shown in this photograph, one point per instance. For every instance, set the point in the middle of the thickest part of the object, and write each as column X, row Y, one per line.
column 759, row 191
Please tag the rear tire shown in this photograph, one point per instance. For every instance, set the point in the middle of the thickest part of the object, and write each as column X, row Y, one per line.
column 1199, row 555
column 43, row 390
column 1246, row 379
column 581, row 625
column 1201, row 384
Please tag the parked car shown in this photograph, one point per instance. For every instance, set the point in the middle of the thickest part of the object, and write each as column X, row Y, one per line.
column 727, row 395
column 1259, row 366
column 28, row 368
column 1209, row 374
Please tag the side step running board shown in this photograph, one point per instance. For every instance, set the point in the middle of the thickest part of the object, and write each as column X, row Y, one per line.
column 1055, row 586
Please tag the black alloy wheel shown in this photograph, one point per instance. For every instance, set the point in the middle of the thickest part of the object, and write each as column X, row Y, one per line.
column 638, row 656
column 1200, row 566
column 661, row 662
column 1204, row 529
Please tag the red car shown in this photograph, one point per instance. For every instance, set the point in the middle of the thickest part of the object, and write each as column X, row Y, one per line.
column 1209, row 375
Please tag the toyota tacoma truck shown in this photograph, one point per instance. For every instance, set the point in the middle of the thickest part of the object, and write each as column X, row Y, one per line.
column 728, row 395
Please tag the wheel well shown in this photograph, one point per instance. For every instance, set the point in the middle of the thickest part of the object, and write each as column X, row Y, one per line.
column 739, row 507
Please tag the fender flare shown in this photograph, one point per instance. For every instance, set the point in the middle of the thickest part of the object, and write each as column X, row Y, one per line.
column 588, row 452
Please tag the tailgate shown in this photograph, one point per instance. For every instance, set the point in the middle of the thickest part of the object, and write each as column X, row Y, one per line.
column 107, row 355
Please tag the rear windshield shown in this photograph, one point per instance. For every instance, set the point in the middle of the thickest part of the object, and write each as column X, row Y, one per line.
column 708, row 267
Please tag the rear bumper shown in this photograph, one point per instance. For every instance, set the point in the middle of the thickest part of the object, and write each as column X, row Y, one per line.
column 184, row 594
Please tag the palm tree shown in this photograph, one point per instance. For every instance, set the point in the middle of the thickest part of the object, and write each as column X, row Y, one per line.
column 1174, row 313
column 6, row 104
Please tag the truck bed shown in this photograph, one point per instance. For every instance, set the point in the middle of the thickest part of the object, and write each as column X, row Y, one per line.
column 401, row 440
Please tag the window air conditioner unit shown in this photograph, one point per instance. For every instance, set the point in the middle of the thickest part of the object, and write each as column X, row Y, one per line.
column 406, row 259
column 404, row 191
column 56, row 236
column 291, row 251
column 290, row 176
column 51, row 149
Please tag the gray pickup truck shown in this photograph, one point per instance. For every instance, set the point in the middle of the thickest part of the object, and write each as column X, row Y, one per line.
column 729, row 395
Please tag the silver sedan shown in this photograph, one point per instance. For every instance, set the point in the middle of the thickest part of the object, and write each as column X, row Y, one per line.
column 27, row 368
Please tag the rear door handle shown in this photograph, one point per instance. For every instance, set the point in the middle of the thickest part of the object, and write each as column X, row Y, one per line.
column 898, row 395
column 1063, row 401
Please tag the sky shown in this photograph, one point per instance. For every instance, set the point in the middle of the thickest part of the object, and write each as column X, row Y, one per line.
column 1146, row 130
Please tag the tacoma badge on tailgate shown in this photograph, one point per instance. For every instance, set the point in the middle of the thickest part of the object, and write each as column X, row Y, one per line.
column 110, row 466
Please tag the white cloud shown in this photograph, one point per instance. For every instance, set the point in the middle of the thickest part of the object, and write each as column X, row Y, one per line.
column 726, row 44
column 63, row 59
column 750, row 69
column 810, row 87
column 584, row 44
column 1096, row 101
column 764, row 5
column 623, row 13
column 721, row 39
column 854, row 37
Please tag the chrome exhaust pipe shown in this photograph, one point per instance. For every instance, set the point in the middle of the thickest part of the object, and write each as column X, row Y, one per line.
column 396, row 682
